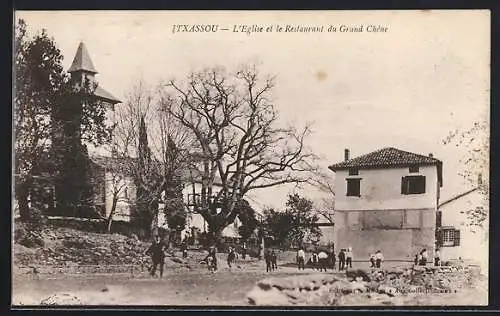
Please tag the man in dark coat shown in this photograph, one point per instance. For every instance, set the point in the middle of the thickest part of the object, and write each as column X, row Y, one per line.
column 342, row 259
column 231, row 256
column 156, row 250
column 332, row 260
column 268, row 258
column 274, row 259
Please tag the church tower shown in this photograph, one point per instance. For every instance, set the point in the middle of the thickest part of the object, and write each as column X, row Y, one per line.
column 83, row 72
column 83, row 69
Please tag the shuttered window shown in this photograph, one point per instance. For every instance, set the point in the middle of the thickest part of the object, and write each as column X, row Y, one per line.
column 456, row 239
column 353, row 187
column 413, row 185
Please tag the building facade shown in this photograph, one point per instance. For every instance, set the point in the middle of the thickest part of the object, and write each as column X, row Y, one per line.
column 387, row 200
column 458, row 237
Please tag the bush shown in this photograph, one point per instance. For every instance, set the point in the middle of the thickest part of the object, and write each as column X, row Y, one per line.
column 77, row 244
column 31, row 239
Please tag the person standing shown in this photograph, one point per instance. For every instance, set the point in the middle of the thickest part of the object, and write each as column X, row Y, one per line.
column 322, row 260
column 301, row 257
column 314, row 260
column 230, row 256
column 379, row 257
column 348, row 258
column 184, row 249
column 423, row 259
column 416, row 261
column 437, row 258
column 213, row 254
column 274, row 259
column 341, row 259
column 244, row 251
column 372, row 260
column 156, row 250
column 332, row 259
column 267, row 258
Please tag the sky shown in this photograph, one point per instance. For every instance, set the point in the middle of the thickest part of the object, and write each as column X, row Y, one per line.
column 408, row 87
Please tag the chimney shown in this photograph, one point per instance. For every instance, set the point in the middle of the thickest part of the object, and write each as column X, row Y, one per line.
column 346, row 154
column 431, row 155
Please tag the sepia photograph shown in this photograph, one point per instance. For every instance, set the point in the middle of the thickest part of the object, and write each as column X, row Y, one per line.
column 251, row 158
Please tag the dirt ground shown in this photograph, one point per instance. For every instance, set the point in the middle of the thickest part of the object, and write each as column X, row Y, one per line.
column 182, row 288
column 197, row 287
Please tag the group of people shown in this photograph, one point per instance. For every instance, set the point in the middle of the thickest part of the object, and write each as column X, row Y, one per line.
column 345, row 258
column 320, row 260
column 271, row 260
column 421, row 258
column 376, row 259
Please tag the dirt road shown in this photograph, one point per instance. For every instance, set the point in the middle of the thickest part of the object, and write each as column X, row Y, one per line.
column 224, row 288
column 193, row 288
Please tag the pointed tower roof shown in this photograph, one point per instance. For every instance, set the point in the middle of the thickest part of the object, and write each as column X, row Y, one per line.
column 82, row 61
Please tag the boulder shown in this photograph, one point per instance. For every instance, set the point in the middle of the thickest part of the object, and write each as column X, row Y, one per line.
column 61, row 299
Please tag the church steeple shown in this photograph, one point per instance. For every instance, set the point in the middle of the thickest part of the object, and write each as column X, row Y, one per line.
column 83, row 69
column 82, row 61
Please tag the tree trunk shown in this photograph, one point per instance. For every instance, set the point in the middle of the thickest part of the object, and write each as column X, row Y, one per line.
column 216, row 236
column 22, row 195
column 154, row 223
column 110, row 216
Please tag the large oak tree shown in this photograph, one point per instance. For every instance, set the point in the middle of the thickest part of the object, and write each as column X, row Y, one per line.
column 240, row 144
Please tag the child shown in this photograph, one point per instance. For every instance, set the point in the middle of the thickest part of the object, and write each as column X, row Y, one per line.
column 423, row 259
column 378, row 259
column 230, row 256
column 437, row 258
column 372, row 260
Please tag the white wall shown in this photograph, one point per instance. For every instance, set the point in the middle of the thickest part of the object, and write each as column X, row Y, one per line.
column 473, row 239
column 381, row 189
column 125, row 198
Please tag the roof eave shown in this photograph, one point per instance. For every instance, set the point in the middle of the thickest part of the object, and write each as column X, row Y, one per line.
column 336, row 167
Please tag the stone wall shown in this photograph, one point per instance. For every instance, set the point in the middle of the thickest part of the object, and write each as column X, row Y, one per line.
column 415, row 232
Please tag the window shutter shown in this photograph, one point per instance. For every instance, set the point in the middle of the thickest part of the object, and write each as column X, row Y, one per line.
column 422, row 181
column 403, row 185
column 456, row 236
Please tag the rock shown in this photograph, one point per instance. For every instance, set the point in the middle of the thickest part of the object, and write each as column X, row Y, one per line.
column 269, row 297
column 358, row 273
column 61, row 299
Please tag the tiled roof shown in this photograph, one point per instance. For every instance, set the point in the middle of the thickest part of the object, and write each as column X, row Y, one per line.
column 82, row 60
column 386, row 157
column 106, row 96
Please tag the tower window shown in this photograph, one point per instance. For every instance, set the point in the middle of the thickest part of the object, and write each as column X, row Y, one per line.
column 353, row 171
column 414, row 169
